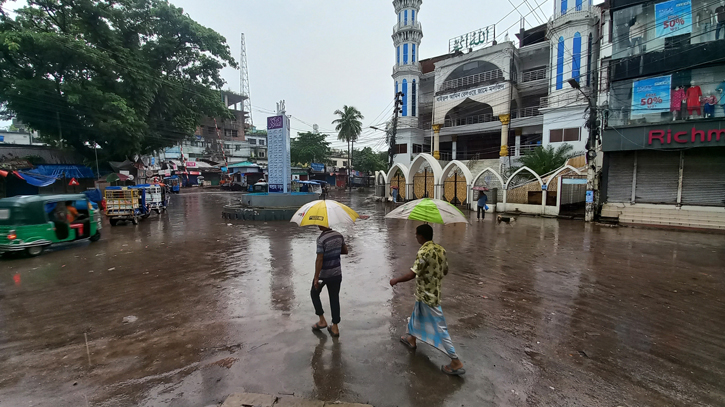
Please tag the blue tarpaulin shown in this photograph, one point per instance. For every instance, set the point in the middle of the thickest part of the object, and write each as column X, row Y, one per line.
column 36, row 180
column 59, row 171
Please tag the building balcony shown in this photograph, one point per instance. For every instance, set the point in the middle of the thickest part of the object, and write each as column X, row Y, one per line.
column 560, row 19
column 566, row 98
column 410, row 69
column 534, row 75
column 411, row 26
column 470, row 81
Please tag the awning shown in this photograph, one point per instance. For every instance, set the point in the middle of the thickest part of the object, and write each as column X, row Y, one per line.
column 60, row 171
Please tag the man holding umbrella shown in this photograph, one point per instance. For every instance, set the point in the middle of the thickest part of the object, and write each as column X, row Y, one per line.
column 427, row 322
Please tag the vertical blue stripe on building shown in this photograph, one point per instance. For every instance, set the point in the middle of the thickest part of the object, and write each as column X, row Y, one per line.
column 405, row 18
column 560, row 64
column 405, row 54
column 405, row 97
column 579, row 5
column 412, row 59
column 412, row 17
column 413, row 97
column 396, row 89
column 576, row 58
column 563, row 6
column 398, row 56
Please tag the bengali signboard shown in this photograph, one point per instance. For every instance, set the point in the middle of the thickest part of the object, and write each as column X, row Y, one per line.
column 673, row 17
column 483, row 37
column 472, row 92
column 278, row 150
column 651, row 95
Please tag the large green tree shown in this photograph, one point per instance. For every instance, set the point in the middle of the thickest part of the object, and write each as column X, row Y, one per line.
column 369, row 161
column 348, row 126
column 544, row 160
column 309, row 148
column 132, row 75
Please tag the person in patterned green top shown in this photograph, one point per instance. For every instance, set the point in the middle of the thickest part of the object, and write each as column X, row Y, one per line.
column 427, row 322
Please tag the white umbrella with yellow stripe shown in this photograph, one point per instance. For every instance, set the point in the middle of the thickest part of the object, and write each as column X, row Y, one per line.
column 325, row 213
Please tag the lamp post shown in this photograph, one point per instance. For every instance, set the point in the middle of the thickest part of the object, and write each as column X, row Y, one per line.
column 593, row 126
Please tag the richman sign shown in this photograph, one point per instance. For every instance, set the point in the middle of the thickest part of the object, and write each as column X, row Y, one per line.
column 674, row 136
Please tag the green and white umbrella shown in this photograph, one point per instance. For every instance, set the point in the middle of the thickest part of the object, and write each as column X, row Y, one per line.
column 429, row 210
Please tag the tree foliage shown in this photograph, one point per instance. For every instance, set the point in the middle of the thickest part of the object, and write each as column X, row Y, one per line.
column 367, row 160
column 309, row 148
column 544, row 160
column 133, row 75
column 348, row 125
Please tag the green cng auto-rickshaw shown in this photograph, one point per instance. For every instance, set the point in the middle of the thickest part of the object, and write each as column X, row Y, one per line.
column 32, row 223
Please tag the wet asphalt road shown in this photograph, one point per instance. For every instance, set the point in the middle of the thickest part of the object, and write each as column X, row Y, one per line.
column 543, row 312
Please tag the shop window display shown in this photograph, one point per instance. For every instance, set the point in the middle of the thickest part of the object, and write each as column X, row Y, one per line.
column 688, row 95
column 654, row 26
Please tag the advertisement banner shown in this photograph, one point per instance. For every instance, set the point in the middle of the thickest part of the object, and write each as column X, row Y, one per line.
column 318, row 167
column 190, row 164
column 278, row 150
column 673, row 17
column 651, row 95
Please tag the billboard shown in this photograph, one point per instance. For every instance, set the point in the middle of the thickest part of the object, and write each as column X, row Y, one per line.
column 278, row 154
column 651, row 95
column 673, row 17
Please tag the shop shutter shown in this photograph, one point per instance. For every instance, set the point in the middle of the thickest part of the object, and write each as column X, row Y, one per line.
column 658, row 174
column 619, row 177
column 703, row 179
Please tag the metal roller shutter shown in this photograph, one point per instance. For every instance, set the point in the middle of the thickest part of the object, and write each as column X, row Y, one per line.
column 703, row 180
column 619, row 177
column 658, row 174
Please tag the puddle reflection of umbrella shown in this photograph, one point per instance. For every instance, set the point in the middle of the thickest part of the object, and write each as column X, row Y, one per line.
column 324, row 213
column 430, row 211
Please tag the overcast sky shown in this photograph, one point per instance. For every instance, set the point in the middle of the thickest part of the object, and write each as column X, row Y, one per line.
column 319, row 55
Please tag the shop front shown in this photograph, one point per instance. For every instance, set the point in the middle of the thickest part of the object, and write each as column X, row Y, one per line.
column 666, row 174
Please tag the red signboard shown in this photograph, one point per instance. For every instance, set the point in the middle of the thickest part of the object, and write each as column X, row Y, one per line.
column 73, row 182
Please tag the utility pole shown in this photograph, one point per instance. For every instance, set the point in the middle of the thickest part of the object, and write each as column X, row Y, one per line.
column 398, row 102
column 593, row 124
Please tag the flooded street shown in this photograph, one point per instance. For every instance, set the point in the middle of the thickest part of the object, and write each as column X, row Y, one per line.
column 186, row 308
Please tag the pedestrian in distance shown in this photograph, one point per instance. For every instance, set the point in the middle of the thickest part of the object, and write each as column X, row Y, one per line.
column 482, row 207
column 328, row 272
column 427, row 322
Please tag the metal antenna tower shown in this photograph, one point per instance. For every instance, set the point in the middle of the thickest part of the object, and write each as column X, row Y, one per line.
column 244, row 85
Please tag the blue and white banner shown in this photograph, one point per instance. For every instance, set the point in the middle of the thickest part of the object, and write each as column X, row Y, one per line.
column 651, row 95
column 673, row 17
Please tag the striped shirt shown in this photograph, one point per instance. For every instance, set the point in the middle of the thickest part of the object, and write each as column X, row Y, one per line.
column 329, row 244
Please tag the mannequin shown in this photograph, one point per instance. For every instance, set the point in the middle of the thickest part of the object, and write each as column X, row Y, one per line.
column 636, row 34
column 678, row 96
column 720, row 12
column 694, row 94
column 705, row 21
column 721, row 89
column 708, row 109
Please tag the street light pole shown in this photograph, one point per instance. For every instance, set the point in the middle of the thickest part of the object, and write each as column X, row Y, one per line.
column 593, row 127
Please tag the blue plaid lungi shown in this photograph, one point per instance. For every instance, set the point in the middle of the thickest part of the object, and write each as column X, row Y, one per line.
column 429, row 325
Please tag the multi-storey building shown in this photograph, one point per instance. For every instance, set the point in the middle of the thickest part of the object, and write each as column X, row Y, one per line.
column 664, row 140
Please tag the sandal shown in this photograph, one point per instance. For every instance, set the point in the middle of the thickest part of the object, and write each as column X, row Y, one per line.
column 317, row 327
column 334, row 335
column 447, row 370
column 404, row 341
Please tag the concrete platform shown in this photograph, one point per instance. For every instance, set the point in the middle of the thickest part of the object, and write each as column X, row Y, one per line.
column 236, row 212
column 295, row 199
column 265, row 400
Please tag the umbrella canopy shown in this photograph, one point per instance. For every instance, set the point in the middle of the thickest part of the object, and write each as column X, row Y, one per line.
column 118, row 177
column 325, row 213
column 429, row 210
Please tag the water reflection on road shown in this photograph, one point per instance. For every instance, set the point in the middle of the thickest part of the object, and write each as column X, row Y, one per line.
column 543, row 312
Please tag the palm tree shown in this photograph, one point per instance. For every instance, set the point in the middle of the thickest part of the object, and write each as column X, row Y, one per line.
column 544, row 160
column 348, row 127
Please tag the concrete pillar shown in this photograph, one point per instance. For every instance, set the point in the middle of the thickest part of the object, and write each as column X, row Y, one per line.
column 455, row 142
column 518, row 146
column 436, row 141
column 505, row 121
